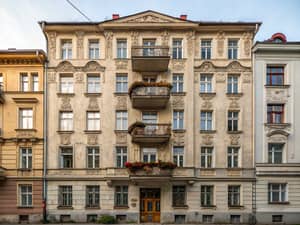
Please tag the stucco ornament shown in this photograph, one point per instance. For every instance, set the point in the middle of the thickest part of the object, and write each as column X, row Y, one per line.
column 247, row 43
column 165, row 36
column 121, row 64
column 206, row 67
column 52, row 44
column 277, row 95
column 25, row 134
column 66, row 103
column 148, row 19
column 220, row 43
column 108, row 37
column 93, row 104
column 178, row 102
column 247, row 77
column 92, row 139
column 135, row 38
column 121, row 137
column 234, row 104
column 220, row 77
column 234, row 139
column 178, row 138
column 65, row 139
column 65, row 66
column 178, row 65
column 80, row 35
column 79, row 77
column 207, row 139
column 206, row 104
column 92, row 66
column 51, row 77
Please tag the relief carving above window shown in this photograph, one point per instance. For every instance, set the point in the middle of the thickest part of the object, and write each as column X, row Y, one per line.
column 65, row 139
column 92, row 139
column 65, row 104
column 207, row 139
column 93, row 104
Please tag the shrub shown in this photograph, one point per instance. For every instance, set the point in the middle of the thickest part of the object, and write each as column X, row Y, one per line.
column 107, row 219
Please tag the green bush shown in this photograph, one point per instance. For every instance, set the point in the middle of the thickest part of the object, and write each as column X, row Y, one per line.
column 107, row 219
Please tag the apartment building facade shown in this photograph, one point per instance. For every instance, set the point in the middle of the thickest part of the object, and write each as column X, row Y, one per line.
column 21, row 138
column 277, row 88
column 130, row 97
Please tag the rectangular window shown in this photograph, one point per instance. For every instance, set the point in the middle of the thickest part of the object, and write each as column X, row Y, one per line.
column 232, row 84
column 92, row 196
column 206, row 157
column 66, row 121
column 235, row 219
column 65, row 196
column 93, row 157
column 25, row 158
column 233, row 120
column 66, row 157
column 1, row 82
column 277, row 218
column 179, row 196
column 234, row 195
column 94, row 49
column 25, row 192
column 178, row 119
column 205, row 83
column 122, row 49
column 207, row 195
column 24, row 82
column 149, row 154
column 25, row 118
column 206, row 120
column 207, row 218
column 93, row 83
column 66, row 49
column 232, row 49
column 121, row 120
column 178, row 154
column 275, row 151
column 177, row 49
column 121, row 195
column 205, row 49
column 275, row 113
column 177, row 83
column 277, row 193
column 275, row 75
column 121, row 83
column 149, row 47
column 93, row 120
column 66, row 84
column 233, row 157
column 35, row 82
column 121, row 153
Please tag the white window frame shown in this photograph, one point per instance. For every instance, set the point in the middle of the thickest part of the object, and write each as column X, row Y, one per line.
column 66, row 83
column 65, row 191
column 26, row 154
column 28, row 195
column 207, row 152
column 233, row 193
column 35, row 82
column 178, row 117
column 178, row 48
column 93, row 85
column 122, row 49
column 94, row 49
column 232, row 154
column 25, row 118
column 66, row 121
column 122, row 153
column 178, row 81
column 178, row 155
column 93, row 194
column 93, row 155
column 273, row 150
column 93, row 121
column 206, row 192
column 121, row 120
column 232, row 49
column 207, row 120
column 231, row 119
column 283, row 189
column 208, row 80
column 122, row 83
column 149, row 152
column 66, row 49
column 62, row 154
column 24, row 82
column 206, row 47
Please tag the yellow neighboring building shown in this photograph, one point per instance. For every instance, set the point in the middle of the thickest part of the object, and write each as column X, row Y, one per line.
column 21, row 137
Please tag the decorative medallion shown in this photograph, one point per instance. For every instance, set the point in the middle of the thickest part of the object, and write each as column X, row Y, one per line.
column 178, row 139
column 234, row 104
column 247, row 77
column 121, row 137
column 65, row 104
column 178, row 102
column 93, row 103
column 234, row 139
column 51, row 77
column 207, row 139
column 65, row 66
column 92, row 139
column 79, row 77
column 121, row 64
column 220, row 77
column 65, row 139
column 93, row 66
column 178, row 65
column 121, row 103
column 135, row 38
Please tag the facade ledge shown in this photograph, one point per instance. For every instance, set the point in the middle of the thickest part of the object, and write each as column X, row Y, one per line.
column 277, row 86
column 236, row 207
column 209, row 207
column 278, row 203
column 235, row 169
column 92, row 94
column 121, row 207
column 65, row 207
column 25, row 169
column 179, row 131
column 121, row 131
column 60, row 94
column 122, row 59
column 234, row 94
column 25, row 207
column 207, row 94
column 92, row 207
column 93, row 131
column 65, row 131
column 180, row 207
column 25, row 100
column 120, row 93
column 207, row 131
column 29, row 130
column 235, row 132
column 178, row 93
column 278, row 125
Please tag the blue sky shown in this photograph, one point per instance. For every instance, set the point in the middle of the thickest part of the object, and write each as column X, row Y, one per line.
column 19, row 28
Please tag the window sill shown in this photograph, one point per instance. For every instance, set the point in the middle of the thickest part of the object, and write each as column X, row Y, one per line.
column 25, row 169
column 208, row 207
column 65, row 207
column 278, row 86
column 92, row 94
column 278, row 124
column 121, row 131
column 179, row 59
column 178, row 93
column 178, row 130
column 22, row 129
column 65, row 131
column 92, row 131
column 207, row 131
column 25, row 207
column 236, row 207
column 278, row 203
column 235, row 132
column 234, row 94
column 120, row 93
column 234, row 169
column 121, row 207
column 122, row 59
column 180, row 207
column 92, row 207
column 207, row 94
column 60, row 94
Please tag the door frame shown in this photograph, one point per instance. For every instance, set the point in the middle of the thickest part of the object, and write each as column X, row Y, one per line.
column 140, row 201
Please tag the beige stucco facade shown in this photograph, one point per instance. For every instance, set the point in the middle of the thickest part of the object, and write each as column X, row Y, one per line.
column 164, row 29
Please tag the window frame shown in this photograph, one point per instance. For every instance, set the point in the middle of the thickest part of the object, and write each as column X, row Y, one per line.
column 67, row 86
column 207, row 120
column 68, row 193
column 93, row 157
column 121, row 154
column 122, row 51
column 24, row 83
column 123, row 193
column 207, row 195
column 233, row 83
column 28, row 158
column 28, row 195
column 26, row 119
column 270, row 74
column 233, row 118
column 69, row 121
column 273, row 152
column 233, row 156
column 67, row 47
column 93, row 194
column 178, row 156
column 121, row 83
column 233, row 50
column 178, row 120
column 177, row 50
column 94, row 84
column 93, row 51
column 206, row 49
column 207, row 157
column 123, row 120
column 271, row 115
column 232, row 194
column 206, row 83
column 62, row 156
column 283, row 189
column 177, row 193
column 177, row 82
column 35, row 82
column 95, row 120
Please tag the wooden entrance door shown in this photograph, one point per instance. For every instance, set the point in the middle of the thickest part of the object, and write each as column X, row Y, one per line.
column 150, row 205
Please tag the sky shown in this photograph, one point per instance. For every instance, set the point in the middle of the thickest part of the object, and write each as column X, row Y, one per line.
column 19, row 18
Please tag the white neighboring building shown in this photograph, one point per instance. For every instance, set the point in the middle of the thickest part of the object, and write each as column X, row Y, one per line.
column 277, row 130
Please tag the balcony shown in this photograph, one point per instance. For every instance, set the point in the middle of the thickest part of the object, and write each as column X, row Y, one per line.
column 150, row 58
column 150, row 134
column 150, row 95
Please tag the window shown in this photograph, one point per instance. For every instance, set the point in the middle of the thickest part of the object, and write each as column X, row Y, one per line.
column 232, row 49
column 233, row 157
column 277, row 218
column 275, row 152
column 180, row 219
column 207, row 195
column 65, row 197
column 121, row 156
column 92, row 196
column 66, row 157
column 35, row 82
column 149, row 154
column 205, row 49
column 233, row 120
column 121, row 196
column 25, row 158
column 275, row 75
column 178, row 154
column 93, row 120
column 275, row 113
column 25, row 191
column 66, row 121
column 179, row 196
column 121, row 49
column 121, row 83
column 26, row 118
column 207, row 218
column 206, row 157
column 24, row 82
column 232, row 84
column 233, row 195
column 66, row 84
column 277, row 193
column 94, row 49
column 177, row 49
column 235, row 218
column 177, row 119
column 1, row 81
column 177, row 83
column 121, row 120
column 149, row 47
column 205, row 83
column 66, row 49
column 93, row 83
column 206, row 120
column 93, row 157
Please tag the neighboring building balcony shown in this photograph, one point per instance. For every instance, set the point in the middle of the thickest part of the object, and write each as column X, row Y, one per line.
column 150, row 58
column 150, row 134
column 150, row 95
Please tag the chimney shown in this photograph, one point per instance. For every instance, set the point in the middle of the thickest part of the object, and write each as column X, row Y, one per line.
column 115, row 16
column 183, row 17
